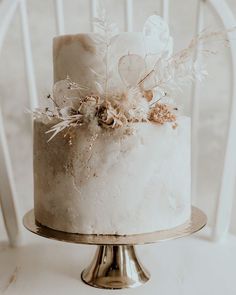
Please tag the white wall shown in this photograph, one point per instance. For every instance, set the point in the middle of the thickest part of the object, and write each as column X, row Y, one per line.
column 213, row 94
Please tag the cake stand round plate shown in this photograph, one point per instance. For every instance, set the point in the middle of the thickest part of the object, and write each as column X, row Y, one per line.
column 115, row 265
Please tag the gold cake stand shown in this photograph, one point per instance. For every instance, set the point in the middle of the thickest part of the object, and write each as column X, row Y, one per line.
column 115, row 264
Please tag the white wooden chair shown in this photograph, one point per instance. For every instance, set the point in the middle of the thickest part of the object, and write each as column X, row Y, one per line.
column 7, row 190
column 8, row 195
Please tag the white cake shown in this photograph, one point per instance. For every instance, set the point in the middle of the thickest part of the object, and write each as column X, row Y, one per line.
column 133, row 182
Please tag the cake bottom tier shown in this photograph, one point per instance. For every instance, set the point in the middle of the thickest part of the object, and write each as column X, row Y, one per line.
column 122, row 185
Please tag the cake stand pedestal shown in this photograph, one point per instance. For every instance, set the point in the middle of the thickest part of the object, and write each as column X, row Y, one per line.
column 115, row 265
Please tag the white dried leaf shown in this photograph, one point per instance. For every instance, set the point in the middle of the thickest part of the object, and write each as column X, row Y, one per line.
column 154, row 25
column 66, row 93
column 131, row 68
column 156, row 28
column 149, row 82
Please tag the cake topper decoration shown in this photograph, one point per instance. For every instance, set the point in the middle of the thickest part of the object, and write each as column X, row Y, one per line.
column 148, row 81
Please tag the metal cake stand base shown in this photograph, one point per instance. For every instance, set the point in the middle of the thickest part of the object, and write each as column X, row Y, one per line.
column 115, row 267
column 115, row 264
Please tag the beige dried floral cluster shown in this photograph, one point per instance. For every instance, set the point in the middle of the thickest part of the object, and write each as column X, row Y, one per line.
column 109, row 112
column 161, row 114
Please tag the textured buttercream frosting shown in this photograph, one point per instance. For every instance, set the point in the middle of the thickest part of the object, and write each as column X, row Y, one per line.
column 127, row 185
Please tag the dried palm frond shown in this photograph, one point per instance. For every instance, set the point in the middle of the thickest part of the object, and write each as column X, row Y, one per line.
column 70, row 121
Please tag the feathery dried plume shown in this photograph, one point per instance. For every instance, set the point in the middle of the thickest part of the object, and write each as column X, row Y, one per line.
column 174, row 72
column 102, row 23
column 106, row 30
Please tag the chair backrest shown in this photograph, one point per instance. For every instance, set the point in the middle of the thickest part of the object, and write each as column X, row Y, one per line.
column 8, row 9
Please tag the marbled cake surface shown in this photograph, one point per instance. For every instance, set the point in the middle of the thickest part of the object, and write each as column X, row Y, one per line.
column 124, row 185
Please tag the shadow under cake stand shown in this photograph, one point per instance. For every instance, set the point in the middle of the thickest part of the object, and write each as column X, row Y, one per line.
column 115, row 264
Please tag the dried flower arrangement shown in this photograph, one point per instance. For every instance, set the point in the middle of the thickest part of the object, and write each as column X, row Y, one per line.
column 146, row 88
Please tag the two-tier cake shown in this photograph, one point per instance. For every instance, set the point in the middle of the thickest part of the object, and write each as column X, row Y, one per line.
column 112, row 156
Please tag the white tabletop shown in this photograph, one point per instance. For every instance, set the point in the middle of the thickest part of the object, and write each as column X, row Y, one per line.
column 188, row 266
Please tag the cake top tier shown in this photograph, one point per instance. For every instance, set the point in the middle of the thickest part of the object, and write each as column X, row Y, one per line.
column 87, row 57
